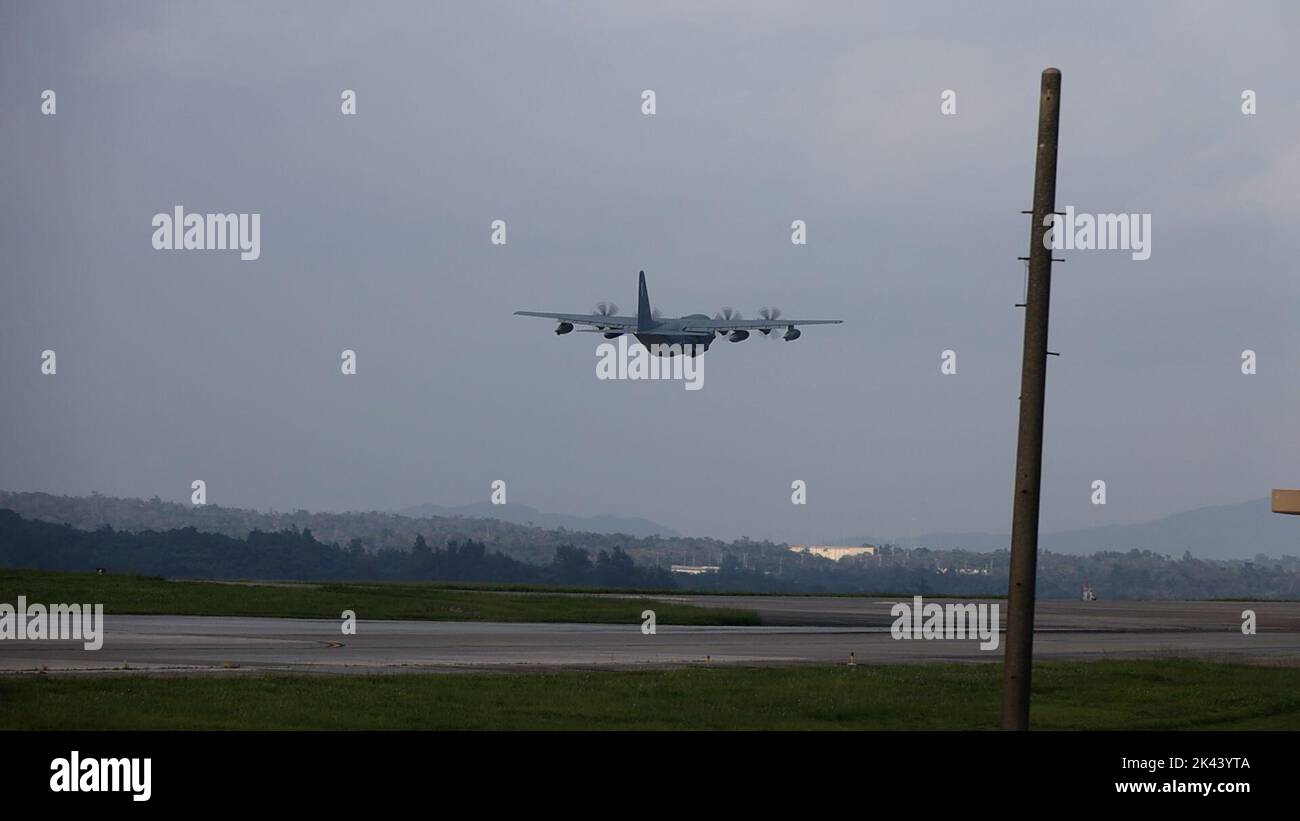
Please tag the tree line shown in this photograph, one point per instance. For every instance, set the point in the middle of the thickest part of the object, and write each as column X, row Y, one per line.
column 297, row 555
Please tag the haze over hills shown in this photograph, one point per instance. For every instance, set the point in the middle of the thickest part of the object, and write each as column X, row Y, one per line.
column 374, row 530
column 1148, row 561
column 525, row 515
column 1222, row 532
column 1237, row 531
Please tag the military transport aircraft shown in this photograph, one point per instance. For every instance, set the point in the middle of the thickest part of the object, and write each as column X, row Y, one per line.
column 693, row 333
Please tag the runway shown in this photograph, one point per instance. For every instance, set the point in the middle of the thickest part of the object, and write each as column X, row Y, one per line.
column 1155, row 616
column 797, row 630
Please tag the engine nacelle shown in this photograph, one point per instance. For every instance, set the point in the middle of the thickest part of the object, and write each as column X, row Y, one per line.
column 792, row 334
column 613, row 334
column 739, row 336
column 564, row 328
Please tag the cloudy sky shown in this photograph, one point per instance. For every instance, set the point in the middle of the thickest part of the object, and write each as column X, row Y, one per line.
column 375, row 237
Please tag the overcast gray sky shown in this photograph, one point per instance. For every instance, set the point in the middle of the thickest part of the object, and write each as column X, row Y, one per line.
column 174, row 366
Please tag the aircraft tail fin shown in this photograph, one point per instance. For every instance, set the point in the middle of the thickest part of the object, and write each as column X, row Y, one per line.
column 644, row 319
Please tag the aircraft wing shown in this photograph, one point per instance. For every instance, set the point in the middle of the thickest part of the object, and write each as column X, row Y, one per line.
column 596, row 320
column 706, row 325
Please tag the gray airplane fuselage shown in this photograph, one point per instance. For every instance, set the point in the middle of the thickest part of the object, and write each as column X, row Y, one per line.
column 668, row 332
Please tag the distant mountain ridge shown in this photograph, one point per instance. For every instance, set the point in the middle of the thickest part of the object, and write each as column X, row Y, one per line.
column 1237, row 531
column 1233, row 532
column 374, row 530
column 532, row 517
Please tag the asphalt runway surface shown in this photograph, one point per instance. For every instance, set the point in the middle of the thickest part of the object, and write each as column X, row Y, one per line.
column 796, row 630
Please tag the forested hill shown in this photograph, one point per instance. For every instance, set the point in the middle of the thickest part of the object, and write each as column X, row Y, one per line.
column 291, row 554
column 297, row 554
column 374, row 530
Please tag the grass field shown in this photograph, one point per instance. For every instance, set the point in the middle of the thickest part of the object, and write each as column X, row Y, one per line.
column 1168, row 694
column 151, row 595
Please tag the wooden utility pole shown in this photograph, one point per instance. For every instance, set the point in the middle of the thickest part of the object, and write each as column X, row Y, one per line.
column 1019, row 656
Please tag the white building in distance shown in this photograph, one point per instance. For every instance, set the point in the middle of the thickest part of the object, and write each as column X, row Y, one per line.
column 833, row 553
column 695, row 569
